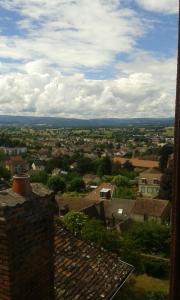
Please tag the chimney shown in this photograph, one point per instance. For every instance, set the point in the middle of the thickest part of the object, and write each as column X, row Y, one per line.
column 21, row 185
column 26, row 243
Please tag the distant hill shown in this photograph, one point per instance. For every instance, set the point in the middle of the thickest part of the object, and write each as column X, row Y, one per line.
column 69, row 122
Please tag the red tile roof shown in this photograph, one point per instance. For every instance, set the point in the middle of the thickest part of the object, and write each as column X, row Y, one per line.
column 95, row 194
column 84, row 272
column 138, row 163
column 151, row 173
column 150, row 207
column 16, row 158
column 75, row 203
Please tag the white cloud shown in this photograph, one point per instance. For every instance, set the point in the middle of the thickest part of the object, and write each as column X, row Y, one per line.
column 78, row 33
column 163, row 6
column 144, row 87
column 59, row 37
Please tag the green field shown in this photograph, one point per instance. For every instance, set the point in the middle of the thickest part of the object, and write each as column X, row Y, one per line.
column 169, row 131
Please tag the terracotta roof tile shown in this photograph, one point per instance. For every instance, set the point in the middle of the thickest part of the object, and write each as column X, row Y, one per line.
column 111, row 207
column 83, row 271
column 151, row 173
column 150, row 207
column 95, row 194
column 75, row 203
column 138, row 163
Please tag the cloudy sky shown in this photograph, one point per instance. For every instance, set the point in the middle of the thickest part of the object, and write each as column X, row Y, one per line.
column 88, row 59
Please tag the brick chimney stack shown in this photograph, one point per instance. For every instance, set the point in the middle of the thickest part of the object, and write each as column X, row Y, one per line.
column 26, row 242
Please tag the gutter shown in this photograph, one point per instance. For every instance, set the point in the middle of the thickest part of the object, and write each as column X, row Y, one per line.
column 121, row 285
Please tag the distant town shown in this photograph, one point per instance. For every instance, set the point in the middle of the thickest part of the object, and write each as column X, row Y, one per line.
column 112, row 187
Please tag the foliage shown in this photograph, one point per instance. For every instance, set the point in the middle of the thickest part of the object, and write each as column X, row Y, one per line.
column 61, row 162
column 5, row 173
column 76, row 185
column 41, row 177
column 6, row 141
column 150, row 237
column 166, row 150
column 128, row 166
column 129, row 153
column 156, row 266
column 156, row 296
column 74, row 221
column 105, row 166
column 56, row 183
column 143, row 288
column 116, row 167
column 95, row 232
column 127, row 292
column 130, row 252
column 165, row 191
column 120, row 180
column 107, row 178
column 124, row 192
column 2, row 154
column 129, row 174
column 85, row 165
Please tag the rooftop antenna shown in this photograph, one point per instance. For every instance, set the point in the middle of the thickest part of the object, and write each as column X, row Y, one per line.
column 175, row 250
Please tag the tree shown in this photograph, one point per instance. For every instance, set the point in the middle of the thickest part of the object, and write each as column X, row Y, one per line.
column 116, row 167
column 120, row 180
column 76, row 185
column 40, row 176
column 105, row 166
column 128, row 166
column 74, row 221
column 150, row 237
column 165, row 151
column 95, row 232
column 92, row 230
column 58, row 162
column 52, row 164
column 84, row 165
column 56, row 183
column 165, row 191
column 5, row 173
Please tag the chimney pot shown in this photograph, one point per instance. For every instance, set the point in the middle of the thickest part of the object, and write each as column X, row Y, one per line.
column 21, row 185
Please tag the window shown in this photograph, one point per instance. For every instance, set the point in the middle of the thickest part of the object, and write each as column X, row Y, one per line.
column 143, row 180
column 143, row 189
column 149, row 190
column 156, row 181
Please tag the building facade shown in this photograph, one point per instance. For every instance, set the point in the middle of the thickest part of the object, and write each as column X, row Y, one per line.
column 149, row 183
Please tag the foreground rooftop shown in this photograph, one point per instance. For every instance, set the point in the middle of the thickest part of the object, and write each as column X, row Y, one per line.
column 83, row 271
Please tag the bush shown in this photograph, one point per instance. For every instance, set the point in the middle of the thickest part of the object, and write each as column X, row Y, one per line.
column 40, row 177
column 155, row 296
column 156, row 266
column 95, row 232
column 5, row 173
column 75, row 221
column 120, row 180
column 76, row 185
column 124, row 192
column 150, row 237
column 56, row 183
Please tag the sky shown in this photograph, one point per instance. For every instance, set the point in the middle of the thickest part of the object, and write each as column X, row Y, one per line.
column 88, row 59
